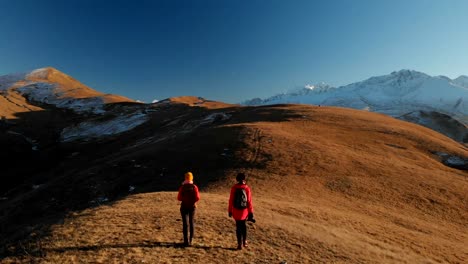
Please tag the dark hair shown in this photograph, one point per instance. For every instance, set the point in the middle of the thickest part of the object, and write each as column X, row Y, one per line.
column 240, row 177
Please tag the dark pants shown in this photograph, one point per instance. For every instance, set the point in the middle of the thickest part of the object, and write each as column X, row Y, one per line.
column 241, row 231
column 187, row 219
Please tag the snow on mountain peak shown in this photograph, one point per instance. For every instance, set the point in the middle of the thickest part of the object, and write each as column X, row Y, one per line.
column 50, row 86
column 310, row 89
column 396, row 79
column 320, row 87
column 42, row 73
column 7, row 81
column 394, row 94
column 405, row 73
column 461, row 80
column 397, row 94
column 409, row 75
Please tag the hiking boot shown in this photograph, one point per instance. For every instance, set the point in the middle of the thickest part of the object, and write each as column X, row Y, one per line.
column 246, row 244
column 239, row 247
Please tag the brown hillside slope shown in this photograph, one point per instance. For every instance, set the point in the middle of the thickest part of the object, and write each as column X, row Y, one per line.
column 198, row 101
column 70, row 87
column 12, row 102
column 329, row 185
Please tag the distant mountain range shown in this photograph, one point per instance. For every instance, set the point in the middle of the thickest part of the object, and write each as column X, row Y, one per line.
column 437, row 102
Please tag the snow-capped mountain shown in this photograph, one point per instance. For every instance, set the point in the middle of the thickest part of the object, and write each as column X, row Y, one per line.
column 461, row 81
column 52, row 87
column 49, row 90
column 397, row 94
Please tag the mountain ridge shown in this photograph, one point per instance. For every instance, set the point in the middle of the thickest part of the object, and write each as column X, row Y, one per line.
column 396, row 94
column 50, row 87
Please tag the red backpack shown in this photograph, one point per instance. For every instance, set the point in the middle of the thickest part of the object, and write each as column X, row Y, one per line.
column 188, row 194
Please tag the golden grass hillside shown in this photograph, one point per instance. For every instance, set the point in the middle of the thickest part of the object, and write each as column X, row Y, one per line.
column 330, row 185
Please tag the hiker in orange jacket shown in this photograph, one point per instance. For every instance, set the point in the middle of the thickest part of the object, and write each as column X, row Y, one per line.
column 188, row 195
column 241, row 208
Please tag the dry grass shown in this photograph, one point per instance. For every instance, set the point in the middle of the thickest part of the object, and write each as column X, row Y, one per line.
column 145, row 228
column 198, row 101
column 330, row 185
column 12, row 103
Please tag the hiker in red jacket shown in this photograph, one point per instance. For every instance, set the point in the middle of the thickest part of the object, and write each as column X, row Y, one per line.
column 241, row 208
column 188, row 195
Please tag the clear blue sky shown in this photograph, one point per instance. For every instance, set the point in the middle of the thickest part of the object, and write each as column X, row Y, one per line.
column 231, row 50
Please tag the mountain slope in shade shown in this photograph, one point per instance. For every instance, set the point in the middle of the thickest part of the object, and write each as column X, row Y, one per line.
column 396, row 94
column 48, row 86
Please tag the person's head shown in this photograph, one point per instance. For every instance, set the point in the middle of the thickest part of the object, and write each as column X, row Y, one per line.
column 188, row 176
column 240, row 177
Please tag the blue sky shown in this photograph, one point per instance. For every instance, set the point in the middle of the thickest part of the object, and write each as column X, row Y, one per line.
column 231, row 50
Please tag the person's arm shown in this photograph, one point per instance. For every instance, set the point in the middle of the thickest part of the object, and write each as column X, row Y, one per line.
column 179, row 196
column 231, row 196
column 249, row 200
column 197, row 193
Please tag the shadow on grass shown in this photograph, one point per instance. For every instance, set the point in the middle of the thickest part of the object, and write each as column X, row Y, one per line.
column 155, row 244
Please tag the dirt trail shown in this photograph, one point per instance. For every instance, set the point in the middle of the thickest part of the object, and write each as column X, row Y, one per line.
column 146, row 228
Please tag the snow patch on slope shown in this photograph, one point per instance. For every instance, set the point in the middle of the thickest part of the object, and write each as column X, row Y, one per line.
column 453, row 161
column 41, row 73
column 47, row 93
column 35, row 87
column 6, row 81
column 98, row 129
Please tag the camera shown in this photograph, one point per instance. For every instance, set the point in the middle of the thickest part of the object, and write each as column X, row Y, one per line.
column 251, row 219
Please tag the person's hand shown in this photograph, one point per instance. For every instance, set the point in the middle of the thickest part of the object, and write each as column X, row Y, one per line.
column 251, row 218
column 230, row 214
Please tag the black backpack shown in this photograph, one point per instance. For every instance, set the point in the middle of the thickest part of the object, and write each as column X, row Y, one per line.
column 240, row 198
